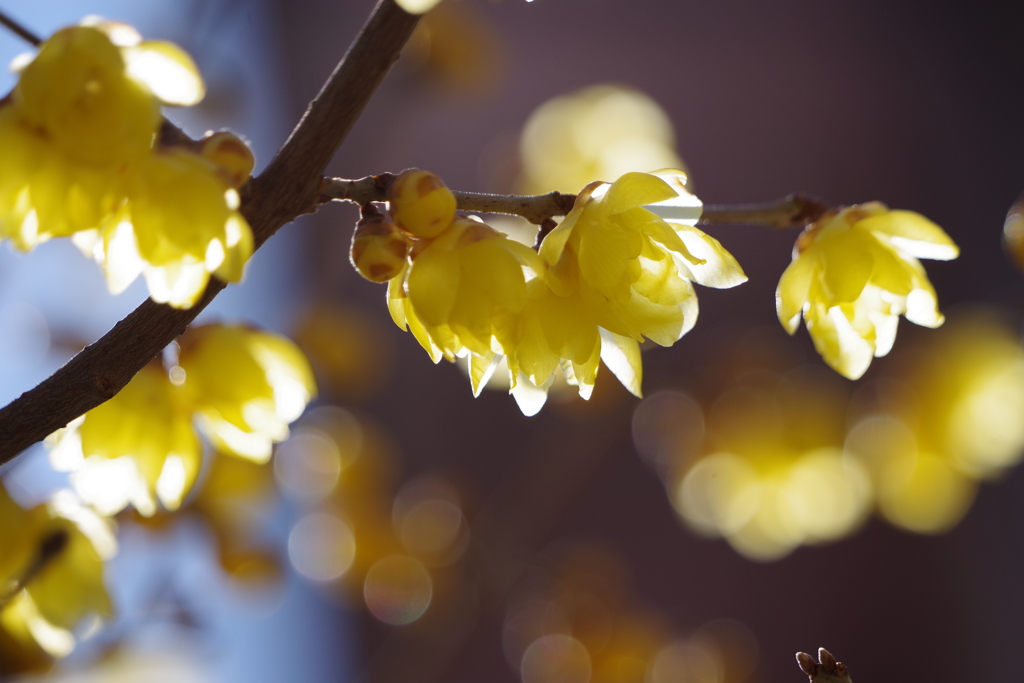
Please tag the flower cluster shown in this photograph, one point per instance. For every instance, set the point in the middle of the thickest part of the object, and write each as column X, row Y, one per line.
column 854, row 272
column 51, row 570
column 80, row 159
column 242, row 387
column 612, row 274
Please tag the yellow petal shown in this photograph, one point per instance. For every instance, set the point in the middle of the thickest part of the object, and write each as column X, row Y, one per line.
column 845, row 351
column 529, row 397
column 239, row 249
column 417, row 6
column 622, row 356
column 167, row 70
column 434, row 284
column 719, row 269
column 794, row 287
column 914, row 234
column 846, row 265
column 633, row 190
column 481, row 369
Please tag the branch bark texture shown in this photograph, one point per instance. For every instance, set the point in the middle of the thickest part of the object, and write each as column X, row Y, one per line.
column 794, row 211
column 287, row 188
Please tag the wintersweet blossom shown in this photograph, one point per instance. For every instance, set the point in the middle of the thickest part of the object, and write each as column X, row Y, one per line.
column 63, row 546
column 243, row 387
column 179, row 225
column 463, row 294
column 137, row 448
column 854, row 272
column 85, row 109
column 618, row 269
column 247, row 386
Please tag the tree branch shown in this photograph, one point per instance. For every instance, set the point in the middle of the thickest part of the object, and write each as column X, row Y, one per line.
column 287, row 188
column 17, row 29
column 795, row 211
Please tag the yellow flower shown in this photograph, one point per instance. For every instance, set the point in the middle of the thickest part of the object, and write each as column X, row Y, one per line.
column 463, row 293
column 179, row 226
column 242, row 386
column 246, row 386
column 85, row 109
column 53, row 561
column 601, row 131
column 854, row 272
column 137, row 448
column 616, row 273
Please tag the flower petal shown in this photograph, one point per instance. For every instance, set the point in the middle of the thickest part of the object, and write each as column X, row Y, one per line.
column 167, row 71
column 793, row 290
column 719, row 269
column 913, row 233
column 622, row 356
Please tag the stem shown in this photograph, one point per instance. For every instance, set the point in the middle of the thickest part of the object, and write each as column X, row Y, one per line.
column 795, row 211
column 288, row 188
column 51, row 547
column 19, row 30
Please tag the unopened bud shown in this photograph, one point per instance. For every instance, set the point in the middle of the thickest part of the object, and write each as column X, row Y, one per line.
column 379, row 249
column 420, row 203
column 231, row 154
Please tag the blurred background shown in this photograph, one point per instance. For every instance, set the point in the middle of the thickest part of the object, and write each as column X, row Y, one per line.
column 753, row 504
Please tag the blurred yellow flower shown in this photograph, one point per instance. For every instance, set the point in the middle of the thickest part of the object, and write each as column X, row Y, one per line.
column 951, row 421
column 602, row 131
column 773, row 475
column 180, row 225
column 85, row 109
column 854, row 272
column 246, row 386
column 242, row 386
column 51, row 573
column 137, row 448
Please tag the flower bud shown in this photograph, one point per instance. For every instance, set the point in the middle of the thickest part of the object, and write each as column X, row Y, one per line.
column 420, row 203
column 379, row 249
column 231, row 154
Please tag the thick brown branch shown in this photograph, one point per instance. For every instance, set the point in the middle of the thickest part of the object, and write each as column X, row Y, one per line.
column 289, row 187
column 795, row 211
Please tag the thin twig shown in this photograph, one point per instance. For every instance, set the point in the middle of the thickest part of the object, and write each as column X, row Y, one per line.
column 795, row 211
column 51, row 548
column 288, row 188
column 19, row 30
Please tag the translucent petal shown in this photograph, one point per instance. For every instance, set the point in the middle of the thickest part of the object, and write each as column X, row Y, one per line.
column 529, row 397
column 793, row 290
column 845, row 351
column 633, row 190
column 719, row 269
column 622, row 356
column 167, row 70
column 481, row 369
column 433, row 284
column 684, row 209
column 417, row 6
column 913, row 233
column 239, row 249
column 846, row 265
